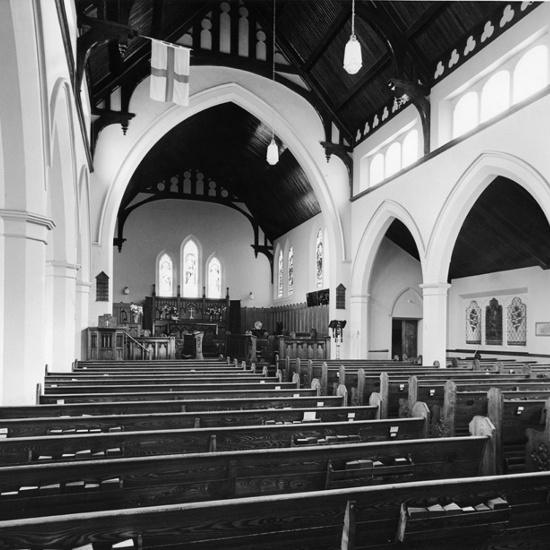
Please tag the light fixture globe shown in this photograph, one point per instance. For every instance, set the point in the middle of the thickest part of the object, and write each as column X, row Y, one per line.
column 352, row 56
column 272, row 153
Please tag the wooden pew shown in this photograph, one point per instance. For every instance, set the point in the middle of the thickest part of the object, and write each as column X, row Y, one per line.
column 399, row 391
column 32, row 427
column 198, row 386
column 520, row 426
column 88, row 485
column 511, row 412
column 431, row 390
column 79, row 377
column 537, row 456
column 361, row 517
column 72, row 445
column 460, row 406
column 64, row 398
column 169, row 406
column 359, row 381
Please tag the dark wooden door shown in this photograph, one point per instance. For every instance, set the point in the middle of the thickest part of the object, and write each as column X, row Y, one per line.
column 410, row 337
column 404, row 338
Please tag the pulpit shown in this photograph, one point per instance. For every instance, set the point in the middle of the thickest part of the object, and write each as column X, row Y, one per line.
column 105, row 344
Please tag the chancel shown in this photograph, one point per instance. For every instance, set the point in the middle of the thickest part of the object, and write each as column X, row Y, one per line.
column 274, row 274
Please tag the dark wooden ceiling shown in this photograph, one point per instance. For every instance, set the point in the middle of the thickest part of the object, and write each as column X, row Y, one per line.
column 228, row 146
column 408, row 42
column 505, row 229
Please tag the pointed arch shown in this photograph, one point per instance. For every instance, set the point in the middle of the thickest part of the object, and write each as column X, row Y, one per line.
column 132, row 154
column 413, row 293
column 474, row 180
column 369, row 244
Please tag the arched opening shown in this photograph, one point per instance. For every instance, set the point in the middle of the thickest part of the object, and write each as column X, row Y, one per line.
column 498, row 270
column 395, row 306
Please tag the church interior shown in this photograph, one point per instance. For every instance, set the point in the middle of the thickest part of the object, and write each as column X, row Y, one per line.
column 345, row 201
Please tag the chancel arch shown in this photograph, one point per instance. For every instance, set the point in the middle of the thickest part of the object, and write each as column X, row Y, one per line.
column 204, row 99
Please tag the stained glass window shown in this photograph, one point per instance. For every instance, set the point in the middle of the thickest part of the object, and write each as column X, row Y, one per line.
column 493, row 323
column 280, row 275
column 214, row 278
column 517, row 323
column 473, row 323
column 166, row 275
column 191, row 269
column 319, row 260
column 290, row 271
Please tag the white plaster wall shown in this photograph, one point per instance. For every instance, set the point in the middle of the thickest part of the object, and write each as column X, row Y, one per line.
column 163, row 225
column 529, row 284
column 395, row 274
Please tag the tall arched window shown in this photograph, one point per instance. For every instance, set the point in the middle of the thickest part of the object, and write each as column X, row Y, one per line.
column 191, row 269
column 214, row 270
column 319, row 255
column 165, row 275
column 495, row 95
column 465, row 114
column 280, row 275
column 290, row 271
column 531, row 73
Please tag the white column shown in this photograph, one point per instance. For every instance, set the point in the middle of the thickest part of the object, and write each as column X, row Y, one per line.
column 358, row 329
column 82, row 303
column 62, row 281
column 24, row 264
column 434, row 345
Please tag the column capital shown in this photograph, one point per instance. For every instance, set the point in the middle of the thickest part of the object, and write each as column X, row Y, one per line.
column 22, row 224
column 435, row 285
column 62, row 269
column 434, row 289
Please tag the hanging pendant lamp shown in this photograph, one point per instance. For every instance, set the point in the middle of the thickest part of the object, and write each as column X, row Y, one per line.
column 352, row 54
column 272, row 153
column 272, row 149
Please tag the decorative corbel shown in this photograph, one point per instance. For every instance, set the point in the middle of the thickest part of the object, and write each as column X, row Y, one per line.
column 107, row 117
column 99, row 31
column 342, row 152
column 417, row 94
column 118, row 242
column 267, row 251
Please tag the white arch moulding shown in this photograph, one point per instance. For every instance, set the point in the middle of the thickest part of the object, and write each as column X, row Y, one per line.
column 368, row 247
column 228, row 92
column 365, row 257
column 463, row 196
